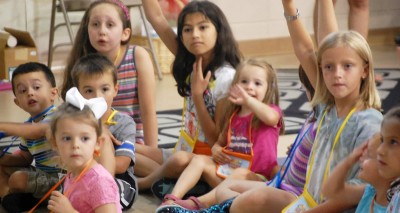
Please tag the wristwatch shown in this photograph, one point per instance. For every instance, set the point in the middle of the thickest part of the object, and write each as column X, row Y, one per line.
column 292, row 18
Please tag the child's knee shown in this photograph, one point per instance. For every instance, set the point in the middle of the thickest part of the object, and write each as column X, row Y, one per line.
column 18, row 181
column 180, row 159
column 242, row 174
column 201, row 161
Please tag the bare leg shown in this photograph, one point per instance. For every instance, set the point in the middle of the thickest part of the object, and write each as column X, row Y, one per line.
column 172, row 168
column 359, row 16
column 199, row 166
column 150, row 152
column 18, row 181
column 144, row 166
column 210, row 199
column 259, row 199
column 3, row 181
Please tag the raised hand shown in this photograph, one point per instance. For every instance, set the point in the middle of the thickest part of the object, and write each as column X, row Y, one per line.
column 238, row 95
column 198, row 82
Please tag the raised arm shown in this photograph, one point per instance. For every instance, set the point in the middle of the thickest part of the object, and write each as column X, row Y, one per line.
column 326, row 19
column 268, row 115
column 160, row 24
column 302, row 42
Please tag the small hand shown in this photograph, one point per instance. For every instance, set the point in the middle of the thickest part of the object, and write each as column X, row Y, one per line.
column 289, row 148
column 59, row 203
column 219, row 156
column 238, row 95
column 358, row 152
column 107, row 133
column 198, row 83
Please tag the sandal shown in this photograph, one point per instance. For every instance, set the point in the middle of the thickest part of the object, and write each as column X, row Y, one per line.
column 168, row 198
column 184, row 203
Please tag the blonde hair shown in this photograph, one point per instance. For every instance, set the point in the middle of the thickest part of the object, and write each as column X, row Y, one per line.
column 369, row 97
column 271, row 95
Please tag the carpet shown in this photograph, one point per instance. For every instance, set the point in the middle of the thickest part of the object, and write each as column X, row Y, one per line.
column 293, row 102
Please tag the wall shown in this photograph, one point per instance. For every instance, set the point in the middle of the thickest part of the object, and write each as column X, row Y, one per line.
column 264, row 18
column 259, row 20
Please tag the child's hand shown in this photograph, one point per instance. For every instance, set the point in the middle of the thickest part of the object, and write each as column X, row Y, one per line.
column 198, row 83
column 107, row 133
column 238, row 95
column 219, row 156
column 59, row 203
column 289, row 148
column 357, row 153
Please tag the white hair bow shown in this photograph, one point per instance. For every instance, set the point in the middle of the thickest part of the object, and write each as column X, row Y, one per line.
column 97, row 105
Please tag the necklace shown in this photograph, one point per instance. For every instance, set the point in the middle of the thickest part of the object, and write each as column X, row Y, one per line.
column 116, row 58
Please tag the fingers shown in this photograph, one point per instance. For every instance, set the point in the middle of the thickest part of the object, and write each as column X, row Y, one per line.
column 208, row 76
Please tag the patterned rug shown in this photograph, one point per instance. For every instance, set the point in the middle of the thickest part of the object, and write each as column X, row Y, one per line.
column 293, row 102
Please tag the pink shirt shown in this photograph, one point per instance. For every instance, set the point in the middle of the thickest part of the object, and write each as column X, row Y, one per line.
column 95, row 188
column 264, row 139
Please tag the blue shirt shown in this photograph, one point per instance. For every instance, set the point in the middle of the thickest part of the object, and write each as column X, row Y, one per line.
column 365, row 202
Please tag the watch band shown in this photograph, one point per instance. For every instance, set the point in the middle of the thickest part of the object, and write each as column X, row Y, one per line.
column 292, row 18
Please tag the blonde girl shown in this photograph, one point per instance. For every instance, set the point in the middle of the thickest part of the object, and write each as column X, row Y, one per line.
column 253, row 120
column 106, row 29
column 76, row 134
column 205, row 56
column 346, row 98
column 389, row 156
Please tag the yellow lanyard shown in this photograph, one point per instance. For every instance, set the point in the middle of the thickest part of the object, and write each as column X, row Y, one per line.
column 333, row 147
column 110, row 118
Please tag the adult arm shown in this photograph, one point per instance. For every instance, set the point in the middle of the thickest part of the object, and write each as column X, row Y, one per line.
column 147, row 96
column 160, row 24
column 302, row 42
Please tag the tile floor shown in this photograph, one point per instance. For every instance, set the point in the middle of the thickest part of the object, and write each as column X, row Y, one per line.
column 384, row 56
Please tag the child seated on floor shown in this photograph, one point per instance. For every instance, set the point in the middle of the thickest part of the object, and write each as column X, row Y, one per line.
column 95, row 76
column 389, row 157
column 76, row 133
column 369, row 197
column 34, row 87
column 249, row 138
